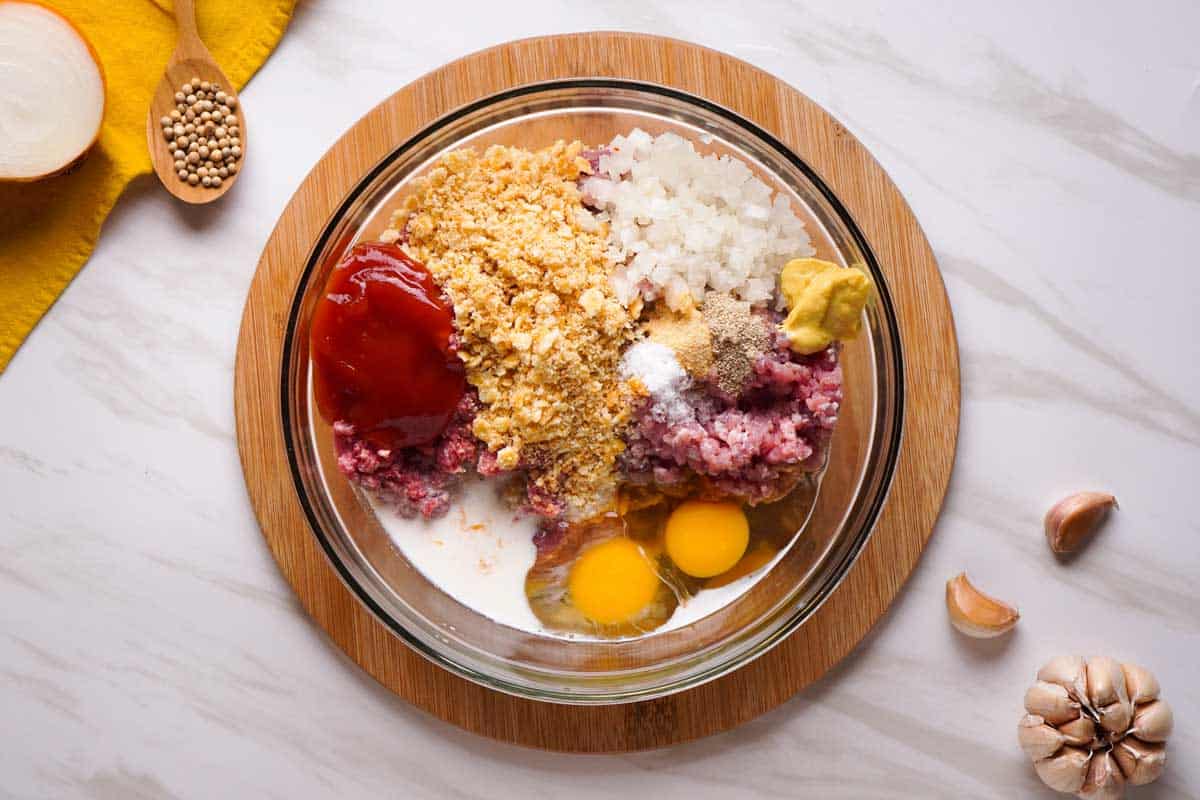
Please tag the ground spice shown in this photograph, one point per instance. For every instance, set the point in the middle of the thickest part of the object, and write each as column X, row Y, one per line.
column 684, row 332
column 738, row 339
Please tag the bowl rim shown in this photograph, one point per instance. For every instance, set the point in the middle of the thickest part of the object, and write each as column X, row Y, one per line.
column 834, row 574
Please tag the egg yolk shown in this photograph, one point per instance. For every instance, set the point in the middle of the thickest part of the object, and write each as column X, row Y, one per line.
column 705, row 538
column 612, row 582
column 753, row 561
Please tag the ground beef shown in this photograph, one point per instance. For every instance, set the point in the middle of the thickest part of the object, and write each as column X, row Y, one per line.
column 752, row 447
column 421, row 480
column 416, row 480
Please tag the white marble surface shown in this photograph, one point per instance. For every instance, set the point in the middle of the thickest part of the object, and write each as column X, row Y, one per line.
column 150, row 648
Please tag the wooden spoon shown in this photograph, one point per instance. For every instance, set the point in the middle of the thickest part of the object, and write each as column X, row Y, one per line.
column 191, row 59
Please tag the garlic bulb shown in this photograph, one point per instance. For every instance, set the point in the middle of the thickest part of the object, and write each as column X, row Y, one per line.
column 1095, row 726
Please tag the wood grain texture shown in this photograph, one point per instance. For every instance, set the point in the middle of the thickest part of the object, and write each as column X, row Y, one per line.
column 930, row 424
column 191, row 59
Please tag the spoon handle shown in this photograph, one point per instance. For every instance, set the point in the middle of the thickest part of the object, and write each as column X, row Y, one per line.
column 185, row 18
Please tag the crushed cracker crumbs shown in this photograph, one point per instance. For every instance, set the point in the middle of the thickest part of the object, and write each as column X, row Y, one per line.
column 506, row 236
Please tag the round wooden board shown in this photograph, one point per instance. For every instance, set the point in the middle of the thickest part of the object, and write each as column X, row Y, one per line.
column 931, row 407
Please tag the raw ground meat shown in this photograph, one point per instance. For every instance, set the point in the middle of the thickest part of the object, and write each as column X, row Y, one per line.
column 750, row 447
column 416, row 480
column 421, row 480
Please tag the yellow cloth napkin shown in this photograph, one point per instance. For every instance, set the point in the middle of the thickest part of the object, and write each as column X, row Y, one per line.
column 48, row 228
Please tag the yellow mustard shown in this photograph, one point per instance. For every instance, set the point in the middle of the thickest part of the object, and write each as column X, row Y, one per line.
column 825, row 302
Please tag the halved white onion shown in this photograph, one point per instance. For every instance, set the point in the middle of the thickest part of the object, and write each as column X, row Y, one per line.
column 51, row 92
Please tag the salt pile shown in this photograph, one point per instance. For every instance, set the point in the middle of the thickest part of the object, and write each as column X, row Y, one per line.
column 659, row 371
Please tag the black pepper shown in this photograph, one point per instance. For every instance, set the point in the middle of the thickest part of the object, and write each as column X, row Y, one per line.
column 738, row 339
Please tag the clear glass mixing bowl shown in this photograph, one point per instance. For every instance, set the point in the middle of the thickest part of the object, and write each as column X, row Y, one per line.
column 855, row 482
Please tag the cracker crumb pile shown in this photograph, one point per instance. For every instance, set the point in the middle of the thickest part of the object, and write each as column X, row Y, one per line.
column 506, row 236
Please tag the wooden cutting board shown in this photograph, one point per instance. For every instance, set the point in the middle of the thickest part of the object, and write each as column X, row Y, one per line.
column 930, row 418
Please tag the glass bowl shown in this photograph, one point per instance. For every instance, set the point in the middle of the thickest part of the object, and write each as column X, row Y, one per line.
column 856, row 479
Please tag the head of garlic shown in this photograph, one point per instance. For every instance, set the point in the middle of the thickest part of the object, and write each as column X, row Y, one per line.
column 1094, row 726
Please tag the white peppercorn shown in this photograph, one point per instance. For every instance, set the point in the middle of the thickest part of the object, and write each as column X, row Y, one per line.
column 202, row 133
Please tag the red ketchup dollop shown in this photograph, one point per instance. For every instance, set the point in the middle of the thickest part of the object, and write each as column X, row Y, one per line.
column 381, row 349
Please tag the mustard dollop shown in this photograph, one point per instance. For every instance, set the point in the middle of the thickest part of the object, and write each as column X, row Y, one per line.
column 825, row 302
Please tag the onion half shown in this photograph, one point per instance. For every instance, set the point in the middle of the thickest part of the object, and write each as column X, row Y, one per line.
column 52, row 92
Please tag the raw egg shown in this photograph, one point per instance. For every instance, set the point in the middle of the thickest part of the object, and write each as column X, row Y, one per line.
column 706, row 538
column 755, row 559
column 613, row 582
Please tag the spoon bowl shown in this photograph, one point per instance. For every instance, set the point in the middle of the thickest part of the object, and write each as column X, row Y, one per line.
column 191, row 59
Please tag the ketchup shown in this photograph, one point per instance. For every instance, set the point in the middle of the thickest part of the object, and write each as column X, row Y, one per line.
column 381, row 349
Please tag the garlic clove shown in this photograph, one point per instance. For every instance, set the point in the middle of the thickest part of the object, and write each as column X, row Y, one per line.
column 1104, row 779
column 1038, row 739
column 1051, row 702
column 1079, row 732
column 1070, row 521
column 1107, row 694
column 1066, row 771
column 974, row 613
column 1141, row 683
column 1153, row 722
column 1069, row 672
column 1140, row 763
column 1105, row 681
column 1115, row 718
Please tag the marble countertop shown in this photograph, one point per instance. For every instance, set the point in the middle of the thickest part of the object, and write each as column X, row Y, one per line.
column 150, row 648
